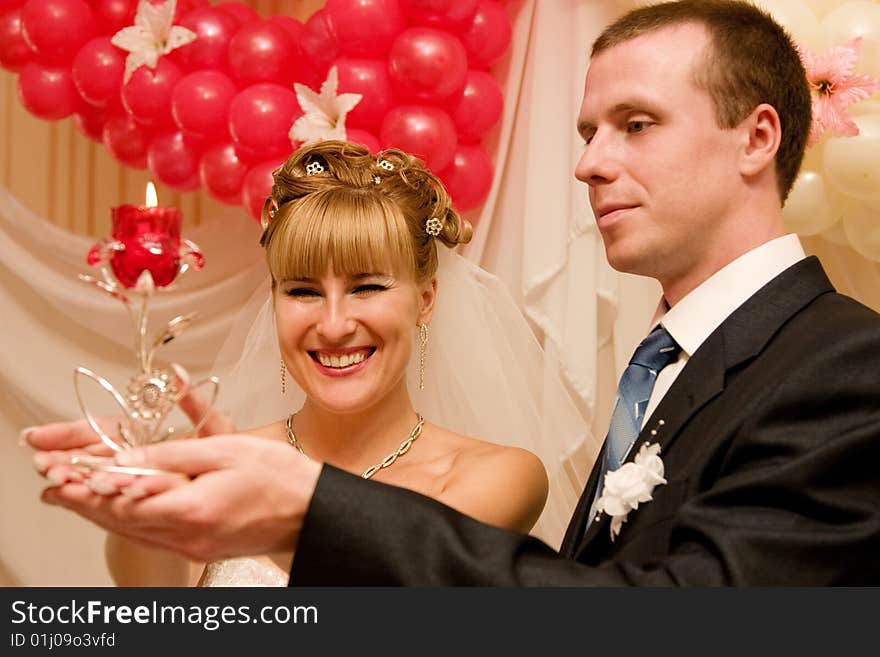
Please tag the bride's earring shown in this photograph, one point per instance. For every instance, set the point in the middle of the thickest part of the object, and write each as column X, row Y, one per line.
column 423, row 352
column 283, row 378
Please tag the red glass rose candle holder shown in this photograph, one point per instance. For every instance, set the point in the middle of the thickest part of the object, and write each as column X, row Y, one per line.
column 145, row 253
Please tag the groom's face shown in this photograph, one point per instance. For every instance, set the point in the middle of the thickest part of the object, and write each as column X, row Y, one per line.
column 659, row 169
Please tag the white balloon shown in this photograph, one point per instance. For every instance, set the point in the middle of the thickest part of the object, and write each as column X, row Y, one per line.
column 822, row 7
column 852, row 164
column 852, row 19
column 836, row 235
column 797, row 18
column 861, row 224
column 808, row 209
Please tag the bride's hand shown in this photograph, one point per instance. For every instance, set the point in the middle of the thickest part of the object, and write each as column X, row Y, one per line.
column 57, row 444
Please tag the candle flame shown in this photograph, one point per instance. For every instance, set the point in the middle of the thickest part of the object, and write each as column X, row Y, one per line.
column 152, row 199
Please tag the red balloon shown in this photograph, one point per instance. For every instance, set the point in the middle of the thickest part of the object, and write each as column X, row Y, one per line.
column 262, row 51
column 439, row 13
column 487, row 36
column 97, row 71
column 47, row 91
column 14, row 50
column 10, row 4
column 368, row 77
column 364, row 138
column 56, row 29
column 222, row 173
column 427, row 64
column 260, row 118
column 468, row 178
column 258, row 185
column 126, row 140
column 90, row 122
column 174, row 160
column 426, row 132
column 147, row 94
column 478, row 107
column 200, row 104
column 113, row 15
column 213, row 29
column 239, row 11
column 319, row 46
column 365, row 28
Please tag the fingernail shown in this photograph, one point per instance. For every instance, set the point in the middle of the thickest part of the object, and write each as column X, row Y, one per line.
column 55, row 479
column 100, row 487
column 134, row 492
column 181, row 373
column 23, row 436
column 131, row 457
column 40, row 462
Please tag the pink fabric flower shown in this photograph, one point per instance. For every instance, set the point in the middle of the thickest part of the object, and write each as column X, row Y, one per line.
column 834, row 87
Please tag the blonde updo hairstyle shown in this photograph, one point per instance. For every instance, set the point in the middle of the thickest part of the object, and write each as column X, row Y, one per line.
column 358, row 212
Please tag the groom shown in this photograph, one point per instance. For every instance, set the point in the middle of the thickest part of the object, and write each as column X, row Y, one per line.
column 758, row 383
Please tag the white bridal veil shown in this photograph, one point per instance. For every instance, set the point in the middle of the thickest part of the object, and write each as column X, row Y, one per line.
column 485, row 377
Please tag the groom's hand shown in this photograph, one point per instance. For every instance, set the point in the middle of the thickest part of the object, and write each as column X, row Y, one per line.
column 247, row 496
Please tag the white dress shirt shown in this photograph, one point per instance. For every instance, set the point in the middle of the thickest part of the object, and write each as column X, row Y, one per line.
column 697, row 315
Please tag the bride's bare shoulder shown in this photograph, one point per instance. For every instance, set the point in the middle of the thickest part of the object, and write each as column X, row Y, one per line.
column 273, row 431
column 498, row 484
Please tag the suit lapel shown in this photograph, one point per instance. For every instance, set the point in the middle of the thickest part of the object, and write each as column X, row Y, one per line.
column 741, row 337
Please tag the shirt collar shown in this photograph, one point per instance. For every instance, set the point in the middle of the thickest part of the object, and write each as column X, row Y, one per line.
column 697, row 315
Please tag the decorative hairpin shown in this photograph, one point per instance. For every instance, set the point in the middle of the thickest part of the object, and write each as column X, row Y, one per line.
column 314, row 168
column 385, row 164
column 433, row 226
column 270, row 209
column 377, row 180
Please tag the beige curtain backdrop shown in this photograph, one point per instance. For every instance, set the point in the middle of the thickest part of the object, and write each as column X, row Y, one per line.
column 535, row 231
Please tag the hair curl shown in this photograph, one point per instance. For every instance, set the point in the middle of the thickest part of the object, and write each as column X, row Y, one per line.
column 356, row 214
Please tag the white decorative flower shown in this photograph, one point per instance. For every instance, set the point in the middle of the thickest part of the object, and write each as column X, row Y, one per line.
column 324, row 113
column 151, row 36
column 631, row 484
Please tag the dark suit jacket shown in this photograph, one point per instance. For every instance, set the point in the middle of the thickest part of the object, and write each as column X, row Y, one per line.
column 771, row 447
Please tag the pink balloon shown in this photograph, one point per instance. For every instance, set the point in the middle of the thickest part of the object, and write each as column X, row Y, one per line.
column 174, row 160
column 239, row 11
column 147, row 94
column 468, row 178
column 439, row 13
column 426, row 132
column 200, row 104
column 222, row 173
column 97, row 71
column 319, row 46
column 113, row 15
column 47, row 91
column 478, row 107
column 364, row 138
column 214, row 30
column 126, row 140
column 56, row 29
column 365, row 28
column 368, row 77
column 427, row 64
column 258, row 185
column 262, row 51
column 90, row 122
column 487, row 36
column 14, row 50
column 260, row 118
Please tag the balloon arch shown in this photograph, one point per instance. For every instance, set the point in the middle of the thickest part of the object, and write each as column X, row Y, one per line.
column 206, row 95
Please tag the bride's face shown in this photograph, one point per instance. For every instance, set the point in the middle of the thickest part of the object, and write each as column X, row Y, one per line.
column 347, row 339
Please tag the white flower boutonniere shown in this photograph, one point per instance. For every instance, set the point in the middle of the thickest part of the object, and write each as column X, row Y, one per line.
column 631, row 484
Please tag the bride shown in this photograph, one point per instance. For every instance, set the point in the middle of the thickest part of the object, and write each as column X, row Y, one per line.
column 393, row 358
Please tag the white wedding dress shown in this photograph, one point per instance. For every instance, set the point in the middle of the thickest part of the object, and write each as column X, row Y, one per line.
column 485, row 376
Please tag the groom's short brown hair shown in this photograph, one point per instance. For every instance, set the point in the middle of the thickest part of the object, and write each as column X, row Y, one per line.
column 752, row 60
